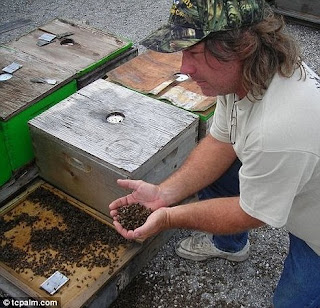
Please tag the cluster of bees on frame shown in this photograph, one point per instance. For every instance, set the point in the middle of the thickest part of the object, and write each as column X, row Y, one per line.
column 76, row 240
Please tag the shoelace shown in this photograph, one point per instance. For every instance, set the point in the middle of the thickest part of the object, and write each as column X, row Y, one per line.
column 200, row 239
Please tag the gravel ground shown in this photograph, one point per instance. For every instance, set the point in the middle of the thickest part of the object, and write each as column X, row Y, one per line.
column 169, row 281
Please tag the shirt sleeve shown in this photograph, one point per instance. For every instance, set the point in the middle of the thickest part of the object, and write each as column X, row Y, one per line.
column 269, row 182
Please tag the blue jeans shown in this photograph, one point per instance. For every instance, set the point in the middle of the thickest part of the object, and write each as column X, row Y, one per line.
column 226, row 186
column 299, row 285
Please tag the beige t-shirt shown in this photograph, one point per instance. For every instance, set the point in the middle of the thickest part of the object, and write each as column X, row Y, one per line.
column 277, row 139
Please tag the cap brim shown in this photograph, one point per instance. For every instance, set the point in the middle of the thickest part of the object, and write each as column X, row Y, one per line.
column 173, row 38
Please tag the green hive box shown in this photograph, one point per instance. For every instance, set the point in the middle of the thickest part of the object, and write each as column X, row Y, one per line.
column 22, row 99
column 16, row 132
column 5, row 167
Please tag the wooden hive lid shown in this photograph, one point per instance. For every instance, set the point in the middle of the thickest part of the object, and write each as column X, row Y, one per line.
column 148, row 127
column 90, row 46
column 154, row 73
column 19, row 92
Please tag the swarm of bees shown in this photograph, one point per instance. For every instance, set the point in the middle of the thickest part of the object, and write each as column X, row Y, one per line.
column 78, row 241
column 133, row 216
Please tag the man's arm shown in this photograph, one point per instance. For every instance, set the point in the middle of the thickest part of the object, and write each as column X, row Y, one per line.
column 206, row 163
column 219, row 216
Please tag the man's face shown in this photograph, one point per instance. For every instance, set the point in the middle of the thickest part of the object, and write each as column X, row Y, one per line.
column 214, row 77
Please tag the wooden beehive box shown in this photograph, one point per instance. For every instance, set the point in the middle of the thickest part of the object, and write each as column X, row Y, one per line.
column 302, row 6
column 22, row 99
column 77, row 47
column 154, row 74
column 105, row 132
column 44, row 230
column 307, row 10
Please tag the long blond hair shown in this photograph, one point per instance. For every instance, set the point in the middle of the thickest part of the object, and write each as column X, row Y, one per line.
column 264, row 49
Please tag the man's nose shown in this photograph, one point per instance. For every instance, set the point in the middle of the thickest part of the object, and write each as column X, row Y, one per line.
column 186, row 66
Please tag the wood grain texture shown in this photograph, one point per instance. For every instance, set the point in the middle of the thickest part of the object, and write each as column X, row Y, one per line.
column 149, row 125
column 301, row 6
column 19, row 92
column 102, row 70
column 90, row 45
column 151, row 69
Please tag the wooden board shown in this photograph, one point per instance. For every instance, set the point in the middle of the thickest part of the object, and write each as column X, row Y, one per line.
column 90, row 45
column 306, row 12
column 205, row 124
column 310, row 7
column 102, row 70
column 18, row 93
column 152, row 70
column 25, row 216
column 17, row 182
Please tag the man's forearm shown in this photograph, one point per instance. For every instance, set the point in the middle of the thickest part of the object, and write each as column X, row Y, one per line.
column 217, row 216
column 207, row 162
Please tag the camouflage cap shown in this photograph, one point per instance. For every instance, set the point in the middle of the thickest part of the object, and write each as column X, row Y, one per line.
column 192, row 20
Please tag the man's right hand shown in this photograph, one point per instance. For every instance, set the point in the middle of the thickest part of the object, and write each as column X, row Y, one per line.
column 144, row 193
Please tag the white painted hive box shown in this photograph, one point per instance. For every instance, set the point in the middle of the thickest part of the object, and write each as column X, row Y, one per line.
column 105, row 132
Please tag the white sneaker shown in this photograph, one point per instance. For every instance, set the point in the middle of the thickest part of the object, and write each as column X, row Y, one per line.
column 199, row 247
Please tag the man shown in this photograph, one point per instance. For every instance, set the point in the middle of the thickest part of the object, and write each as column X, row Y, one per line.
column 263, row 151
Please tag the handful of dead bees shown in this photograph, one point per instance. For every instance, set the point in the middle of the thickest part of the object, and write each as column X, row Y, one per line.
column 133, row 216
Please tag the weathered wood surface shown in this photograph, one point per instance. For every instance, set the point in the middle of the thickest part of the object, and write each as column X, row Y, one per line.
column 147, row 71
column 77, row 173
column 148, row 126
column 150, row 70
column 19, row 92
column 90, row 45
column 83, row 283
column 204, row 125
column 78, row 151
column 17, row 182
column 102, row 70
column 301, row 6
column 305, row 12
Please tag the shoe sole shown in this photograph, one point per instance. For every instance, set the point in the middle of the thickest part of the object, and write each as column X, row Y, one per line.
column 197, row 257
column 191, row 257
